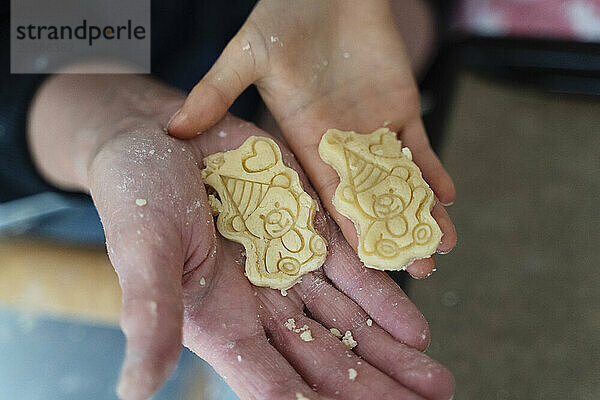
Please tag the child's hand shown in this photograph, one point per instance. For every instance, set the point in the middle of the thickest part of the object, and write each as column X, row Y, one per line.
column 320, row 65
column 174, row 272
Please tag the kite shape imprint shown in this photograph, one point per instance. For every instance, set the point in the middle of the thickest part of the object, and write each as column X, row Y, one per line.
column 263, row 206
column 382, row 191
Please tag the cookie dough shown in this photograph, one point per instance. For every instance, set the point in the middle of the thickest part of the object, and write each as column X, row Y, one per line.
column 262, row 206
column 382, row 191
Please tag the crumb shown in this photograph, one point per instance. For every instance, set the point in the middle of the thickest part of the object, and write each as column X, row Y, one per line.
column 346, row 55
column 300, row 396
column 141, row 202
column 246, row 47
column 336, row 332
column 222, row 134
column 352, row 374
column 239, row 358
column 306, row 336
column 153, row 306
column 290, row 324
column 274, row 39
column 349, row 341
column 386, row 123
column 215, row 205
column 202, row 281
column 369, row 322
column 283, row 292
column 169, row 150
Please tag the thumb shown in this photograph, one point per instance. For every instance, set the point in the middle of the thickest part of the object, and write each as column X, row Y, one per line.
column 152, row 316
column 237, row 68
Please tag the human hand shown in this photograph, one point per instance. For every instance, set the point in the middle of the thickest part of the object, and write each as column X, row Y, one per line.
column 179, row 280
column 321, row 65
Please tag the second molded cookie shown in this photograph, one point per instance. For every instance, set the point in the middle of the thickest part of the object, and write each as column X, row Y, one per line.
column 382, row 191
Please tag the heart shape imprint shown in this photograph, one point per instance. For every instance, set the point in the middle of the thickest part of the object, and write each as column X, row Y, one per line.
column 263, row 157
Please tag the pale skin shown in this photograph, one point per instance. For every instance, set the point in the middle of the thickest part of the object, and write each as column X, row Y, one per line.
column 319, row 65
column 104, row 134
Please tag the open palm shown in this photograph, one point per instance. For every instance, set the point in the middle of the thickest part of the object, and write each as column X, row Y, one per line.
column 181, row 281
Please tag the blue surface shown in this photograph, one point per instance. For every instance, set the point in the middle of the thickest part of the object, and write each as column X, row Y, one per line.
column 50, row 359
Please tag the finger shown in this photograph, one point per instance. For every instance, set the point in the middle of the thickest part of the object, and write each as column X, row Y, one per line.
column 376, row 293
column 152, row 314
column 312, row 349
column 406, row 365
column 253, row 368
column 443, row 219
column 422, row 268
column 237, row 68
column 239, row 351
column 414, row 137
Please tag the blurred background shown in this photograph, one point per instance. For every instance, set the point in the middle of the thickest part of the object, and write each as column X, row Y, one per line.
column 512, row 104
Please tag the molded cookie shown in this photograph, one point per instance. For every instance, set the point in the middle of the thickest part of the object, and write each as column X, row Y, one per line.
column 382, row 191
column 263, row 207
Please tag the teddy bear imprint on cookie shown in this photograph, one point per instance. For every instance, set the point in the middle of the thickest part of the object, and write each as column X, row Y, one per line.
column 382, row 191
column 263, row 207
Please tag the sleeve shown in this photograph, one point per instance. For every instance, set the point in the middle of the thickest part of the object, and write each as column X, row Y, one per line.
column 18, row 175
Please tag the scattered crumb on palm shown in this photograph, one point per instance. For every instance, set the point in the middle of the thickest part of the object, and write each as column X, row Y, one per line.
column 348, row 340
column 306, row 336
column 336, row 332
column 290, row 324
column 352, row 374
column 305, row 333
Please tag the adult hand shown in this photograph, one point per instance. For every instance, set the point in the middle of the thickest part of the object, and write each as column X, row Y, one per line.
column 104, row 134
column 174, row 272
column 320, row 65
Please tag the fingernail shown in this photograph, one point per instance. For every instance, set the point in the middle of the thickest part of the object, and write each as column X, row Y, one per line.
column 447, row 204
column 175, row 119
column 442, row 252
